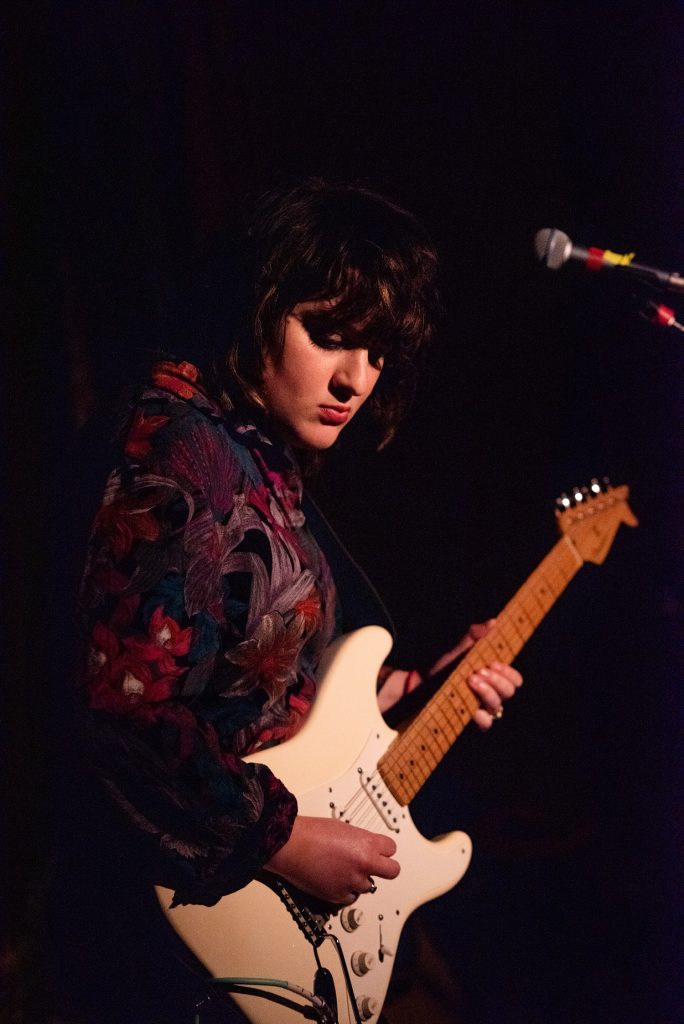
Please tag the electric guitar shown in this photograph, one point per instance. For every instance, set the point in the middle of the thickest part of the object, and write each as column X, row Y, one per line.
column 285, row 957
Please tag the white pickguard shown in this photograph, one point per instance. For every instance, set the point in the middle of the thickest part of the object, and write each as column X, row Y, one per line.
column 330, row 765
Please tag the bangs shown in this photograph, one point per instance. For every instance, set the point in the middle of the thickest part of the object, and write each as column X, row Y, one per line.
column 368, row 258
column 358, row 314
column 380, row 299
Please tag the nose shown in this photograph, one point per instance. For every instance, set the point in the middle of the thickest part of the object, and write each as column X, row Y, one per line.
column 351, row 374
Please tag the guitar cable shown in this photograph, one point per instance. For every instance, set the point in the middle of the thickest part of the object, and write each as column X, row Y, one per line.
column 327, row 1014
column 319, row 1004
column 347, row 980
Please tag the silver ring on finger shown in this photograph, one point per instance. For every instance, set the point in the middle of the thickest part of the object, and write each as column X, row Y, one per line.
column 373, row 886
column 497, row 713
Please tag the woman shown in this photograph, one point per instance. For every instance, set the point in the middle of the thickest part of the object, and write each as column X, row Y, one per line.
column 208, row 598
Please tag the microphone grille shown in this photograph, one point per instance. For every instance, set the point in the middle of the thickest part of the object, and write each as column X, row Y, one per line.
column 553, row 247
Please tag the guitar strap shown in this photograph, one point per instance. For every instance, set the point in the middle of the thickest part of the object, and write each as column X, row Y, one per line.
column 359, row 600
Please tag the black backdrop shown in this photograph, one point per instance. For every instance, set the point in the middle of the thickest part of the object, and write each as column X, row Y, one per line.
column 135, row 130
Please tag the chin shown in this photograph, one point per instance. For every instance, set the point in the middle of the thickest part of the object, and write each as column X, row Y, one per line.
column 315, row 445
column 316, row 440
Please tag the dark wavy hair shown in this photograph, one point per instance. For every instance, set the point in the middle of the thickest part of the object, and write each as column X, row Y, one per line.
column 345, row 243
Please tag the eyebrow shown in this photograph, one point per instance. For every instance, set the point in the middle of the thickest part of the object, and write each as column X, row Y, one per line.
column 377, row 343
column 326, row 322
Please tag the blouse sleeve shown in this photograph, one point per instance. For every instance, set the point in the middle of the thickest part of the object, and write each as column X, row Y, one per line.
column 202, row 623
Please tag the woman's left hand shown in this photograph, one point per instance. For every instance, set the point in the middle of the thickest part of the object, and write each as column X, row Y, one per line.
column 492, row 685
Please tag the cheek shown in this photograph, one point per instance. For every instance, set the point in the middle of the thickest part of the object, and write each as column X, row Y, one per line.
column 374, row 377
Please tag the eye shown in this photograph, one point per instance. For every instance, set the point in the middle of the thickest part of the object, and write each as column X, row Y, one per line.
column 323, row 339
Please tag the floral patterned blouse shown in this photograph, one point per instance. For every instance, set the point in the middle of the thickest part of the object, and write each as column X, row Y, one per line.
column 208, row 604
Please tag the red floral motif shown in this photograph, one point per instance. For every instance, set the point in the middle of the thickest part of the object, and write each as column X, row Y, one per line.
column 176, row 378
column 138, row 441
column 168, row 633
column 125, row 684
column 123, row 521
column 309, row 609
column 139, row 670
column 166, row 642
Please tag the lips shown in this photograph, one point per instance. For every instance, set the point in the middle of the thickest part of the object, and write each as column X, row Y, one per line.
column 335, row 415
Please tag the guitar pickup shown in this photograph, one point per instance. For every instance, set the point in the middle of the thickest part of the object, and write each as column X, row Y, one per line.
column 382, row 800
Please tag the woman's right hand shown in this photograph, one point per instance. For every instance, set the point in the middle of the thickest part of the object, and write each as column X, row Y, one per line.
column 333, row 860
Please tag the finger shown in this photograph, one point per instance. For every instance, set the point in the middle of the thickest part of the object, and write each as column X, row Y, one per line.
column 484, row 688
column 391, row 868
column 500, row 681
column 479, row 629
column 475, row 632
column 385, row 867
column 375, row 856
column 364, row 884
column 384, row 845
column 508, row 671
column 483, row 719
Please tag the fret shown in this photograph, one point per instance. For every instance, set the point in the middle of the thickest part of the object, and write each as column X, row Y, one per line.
column 446, row 725
column 536, row 607
column 531, row 608
column 486, row 651
column 504, row 650
column 417, row 751
column 520, row 620
column 476, row 657
column 437, row 738
column 461, row 713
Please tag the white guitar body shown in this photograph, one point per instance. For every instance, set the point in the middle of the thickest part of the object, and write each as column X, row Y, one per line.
column 266, row 931
column 330, row 765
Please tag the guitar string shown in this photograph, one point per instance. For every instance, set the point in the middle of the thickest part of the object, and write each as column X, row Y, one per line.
column 360, row 809
column 355, row 806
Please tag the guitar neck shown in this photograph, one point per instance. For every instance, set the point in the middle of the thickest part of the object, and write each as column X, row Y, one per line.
column 416, row 752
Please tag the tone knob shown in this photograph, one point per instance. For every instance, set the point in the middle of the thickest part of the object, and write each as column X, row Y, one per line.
column 367, row 1007
column 351, row 918
column 362, row 962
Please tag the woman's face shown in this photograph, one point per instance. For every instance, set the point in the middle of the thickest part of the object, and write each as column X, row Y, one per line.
column 317, row 381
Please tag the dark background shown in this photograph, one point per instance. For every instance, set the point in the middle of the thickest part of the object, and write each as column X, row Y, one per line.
column 134, row 132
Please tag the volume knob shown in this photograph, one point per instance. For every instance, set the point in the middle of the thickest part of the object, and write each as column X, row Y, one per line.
column 351, row 918
column 367, row 1007
column 362, row 962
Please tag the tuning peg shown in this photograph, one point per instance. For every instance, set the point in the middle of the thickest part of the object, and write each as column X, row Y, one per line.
column 577, row 495
column 563, row 502
column 606, row 484
column 595, row 486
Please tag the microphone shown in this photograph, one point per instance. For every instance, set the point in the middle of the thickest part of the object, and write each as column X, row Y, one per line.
column 554, row 248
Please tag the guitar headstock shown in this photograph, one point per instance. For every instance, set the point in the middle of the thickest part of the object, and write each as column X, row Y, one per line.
column 590, row 517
